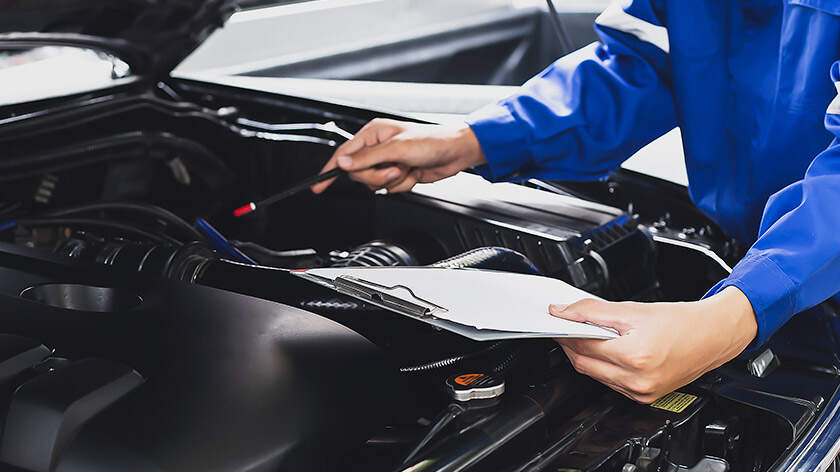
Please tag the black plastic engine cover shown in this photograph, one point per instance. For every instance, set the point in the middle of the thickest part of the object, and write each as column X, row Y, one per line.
column 191, row 378
column 592, row 246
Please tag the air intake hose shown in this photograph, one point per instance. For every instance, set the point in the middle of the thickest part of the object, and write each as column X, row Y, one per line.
column 492, row 258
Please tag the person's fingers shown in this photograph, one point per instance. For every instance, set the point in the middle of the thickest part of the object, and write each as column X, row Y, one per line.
column 379, row 177
column 607, row 350
column 374, row 132
column 606, row 314
column 581, row 363
column 389, row 152
column 321, row 186
column 384, row 129
column 330, row 165
column 622, row 360
column 353, row 144
column 404, row 174
column 638, row 388
column 599, row 370
column 405, row 185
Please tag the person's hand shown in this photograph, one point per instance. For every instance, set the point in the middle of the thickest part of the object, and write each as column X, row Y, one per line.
column 395, row 155
column 663, row 346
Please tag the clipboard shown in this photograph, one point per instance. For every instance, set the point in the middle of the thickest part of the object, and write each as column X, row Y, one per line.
column 442, row 297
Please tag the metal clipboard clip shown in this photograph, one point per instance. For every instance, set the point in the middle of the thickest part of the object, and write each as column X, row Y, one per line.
column 399, row 297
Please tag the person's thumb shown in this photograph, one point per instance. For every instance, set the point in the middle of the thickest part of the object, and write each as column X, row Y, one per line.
column 601, row 313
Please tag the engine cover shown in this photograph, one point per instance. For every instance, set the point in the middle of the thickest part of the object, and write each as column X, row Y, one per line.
column 595, row 247
column 149, row 374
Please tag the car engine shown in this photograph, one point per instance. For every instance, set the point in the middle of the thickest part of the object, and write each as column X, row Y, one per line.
column 146, row 328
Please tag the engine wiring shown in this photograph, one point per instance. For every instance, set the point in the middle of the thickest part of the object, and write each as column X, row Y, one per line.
column 139, row 144
column 330, row 127
column 94, row 223
column 154, row 211
column 59, row 118
column 133, row 144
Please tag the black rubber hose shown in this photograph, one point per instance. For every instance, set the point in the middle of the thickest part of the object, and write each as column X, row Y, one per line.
column 146, row 209
column 507, row 362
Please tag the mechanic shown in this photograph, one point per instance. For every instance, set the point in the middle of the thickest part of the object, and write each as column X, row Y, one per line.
column 748, row 84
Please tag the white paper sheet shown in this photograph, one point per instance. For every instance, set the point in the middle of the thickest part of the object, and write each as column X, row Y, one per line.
column 483, row 299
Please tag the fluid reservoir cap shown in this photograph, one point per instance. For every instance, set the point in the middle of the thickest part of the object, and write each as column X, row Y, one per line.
column 466, row 387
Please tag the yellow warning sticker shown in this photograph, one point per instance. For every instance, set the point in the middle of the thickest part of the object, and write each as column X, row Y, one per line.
column 674, row 401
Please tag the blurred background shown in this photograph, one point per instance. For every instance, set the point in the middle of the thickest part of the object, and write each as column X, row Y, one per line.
column 436, row 60
column 399, row 55
column 487, row 42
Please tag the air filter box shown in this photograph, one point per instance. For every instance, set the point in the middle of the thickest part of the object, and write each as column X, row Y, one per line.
column 595, row 247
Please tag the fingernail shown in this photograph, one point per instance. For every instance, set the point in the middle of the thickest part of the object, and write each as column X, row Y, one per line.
column 392, row 174
column 345, row 161
column 558, row 307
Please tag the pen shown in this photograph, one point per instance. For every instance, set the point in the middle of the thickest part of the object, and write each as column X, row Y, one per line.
column 296, row 188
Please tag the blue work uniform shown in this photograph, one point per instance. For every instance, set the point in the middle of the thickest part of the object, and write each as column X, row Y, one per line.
column 750, row 83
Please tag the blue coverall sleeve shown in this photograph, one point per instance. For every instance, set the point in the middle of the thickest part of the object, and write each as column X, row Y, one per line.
column 590, row 110
column 795, row 263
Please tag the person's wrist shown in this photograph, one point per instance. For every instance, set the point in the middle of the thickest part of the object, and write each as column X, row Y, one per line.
column 467, row 148
column 736, row 319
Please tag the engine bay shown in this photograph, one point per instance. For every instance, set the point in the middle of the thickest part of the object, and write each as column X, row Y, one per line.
column 146, row 327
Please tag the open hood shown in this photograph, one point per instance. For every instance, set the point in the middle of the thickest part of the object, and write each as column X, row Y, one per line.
column 152, row 36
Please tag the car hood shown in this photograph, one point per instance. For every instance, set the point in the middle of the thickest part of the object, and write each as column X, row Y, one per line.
column 152, row 36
